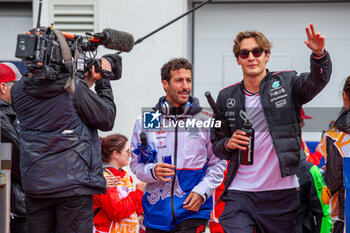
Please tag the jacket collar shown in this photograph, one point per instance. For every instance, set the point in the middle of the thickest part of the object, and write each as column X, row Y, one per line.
column 343, row 122
column 43, row 88
column 6, row 108
column 116, row 172
column 194, row 109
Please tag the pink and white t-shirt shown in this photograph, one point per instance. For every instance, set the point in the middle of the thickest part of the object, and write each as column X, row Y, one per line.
column 264, row 174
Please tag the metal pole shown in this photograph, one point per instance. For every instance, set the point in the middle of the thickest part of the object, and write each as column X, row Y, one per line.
column 167, row 24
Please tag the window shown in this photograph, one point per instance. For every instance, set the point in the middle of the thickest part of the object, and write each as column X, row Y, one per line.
column 74, row 16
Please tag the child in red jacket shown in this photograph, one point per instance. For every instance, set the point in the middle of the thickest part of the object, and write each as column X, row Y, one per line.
column 117, row 211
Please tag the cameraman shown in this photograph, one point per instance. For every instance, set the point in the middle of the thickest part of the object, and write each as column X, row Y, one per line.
column 60, row 154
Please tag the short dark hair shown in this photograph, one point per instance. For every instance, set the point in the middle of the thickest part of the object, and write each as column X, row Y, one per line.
column 174, row 64
column 114, row 142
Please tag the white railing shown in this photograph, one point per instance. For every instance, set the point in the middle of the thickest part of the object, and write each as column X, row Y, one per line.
column 5, row 181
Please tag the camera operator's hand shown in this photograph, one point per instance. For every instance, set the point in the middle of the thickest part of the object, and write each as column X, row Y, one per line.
column 105, row 68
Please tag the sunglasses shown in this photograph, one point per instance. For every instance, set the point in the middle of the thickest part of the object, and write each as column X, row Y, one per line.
column 244, row 53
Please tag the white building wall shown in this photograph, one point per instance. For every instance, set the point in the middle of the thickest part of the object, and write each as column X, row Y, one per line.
column 12, row 22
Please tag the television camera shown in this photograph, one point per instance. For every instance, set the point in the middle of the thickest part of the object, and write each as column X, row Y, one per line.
column 49, row 52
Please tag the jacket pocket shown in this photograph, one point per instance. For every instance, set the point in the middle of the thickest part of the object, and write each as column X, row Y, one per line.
column 52, row 162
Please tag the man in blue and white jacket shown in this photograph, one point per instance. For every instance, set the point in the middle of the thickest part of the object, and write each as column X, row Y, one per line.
column 178, row 195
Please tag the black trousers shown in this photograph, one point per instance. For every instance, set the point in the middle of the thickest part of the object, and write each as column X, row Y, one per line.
column 59, row 215
column 268, row 211
column 194, row 225
column 338, row 227
column 18, row 225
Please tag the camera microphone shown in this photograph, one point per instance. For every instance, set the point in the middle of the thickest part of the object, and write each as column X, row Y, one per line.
column 143, row 139
column 110, row 39
column 118, row 40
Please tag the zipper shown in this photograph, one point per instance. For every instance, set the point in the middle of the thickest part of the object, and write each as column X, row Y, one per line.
column 173, row 183
column 231, row 176
column 268, row 126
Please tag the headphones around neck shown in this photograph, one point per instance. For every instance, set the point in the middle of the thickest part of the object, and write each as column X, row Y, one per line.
column 167, row 108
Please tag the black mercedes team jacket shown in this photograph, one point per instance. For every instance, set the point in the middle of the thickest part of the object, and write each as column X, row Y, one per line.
column 282, row 96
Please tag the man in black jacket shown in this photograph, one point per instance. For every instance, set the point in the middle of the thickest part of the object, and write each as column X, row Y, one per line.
column 263, row 195
column 313, row 215
column 60, row 153
column 9, row 74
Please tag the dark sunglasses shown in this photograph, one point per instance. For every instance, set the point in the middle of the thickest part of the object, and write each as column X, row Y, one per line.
column 244, row 53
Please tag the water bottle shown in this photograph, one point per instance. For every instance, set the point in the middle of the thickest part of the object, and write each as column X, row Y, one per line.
column 166, row 159
column 246, row 156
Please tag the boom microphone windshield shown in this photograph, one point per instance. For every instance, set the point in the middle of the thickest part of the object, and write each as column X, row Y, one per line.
column 118, row 40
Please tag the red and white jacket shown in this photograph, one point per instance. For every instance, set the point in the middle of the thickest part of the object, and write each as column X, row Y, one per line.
column 119, row 207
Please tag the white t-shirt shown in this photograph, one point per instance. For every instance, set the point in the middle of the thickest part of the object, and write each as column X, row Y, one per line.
column 264, row 174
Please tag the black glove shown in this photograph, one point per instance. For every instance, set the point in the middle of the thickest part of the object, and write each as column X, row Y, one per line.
column 107, row 74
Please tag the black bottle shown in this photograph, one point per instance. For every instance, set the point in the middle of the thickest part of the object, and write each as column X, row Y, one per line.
column 246, row 156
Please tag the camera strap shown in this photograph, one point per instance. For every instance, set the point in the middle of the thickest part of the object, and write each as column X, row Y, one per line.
column 67, row 61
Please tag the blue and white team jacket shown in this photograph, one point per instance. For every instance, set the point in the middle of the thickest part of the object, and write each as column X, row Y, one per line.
column 197, row 168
